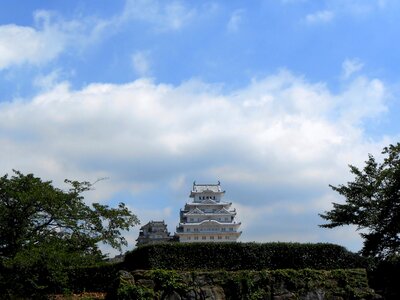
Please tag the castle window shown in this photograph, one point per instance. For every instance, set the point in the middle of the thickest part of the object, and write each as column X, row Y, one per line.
column 196, row 238
column 203, row 237
column 211, row 237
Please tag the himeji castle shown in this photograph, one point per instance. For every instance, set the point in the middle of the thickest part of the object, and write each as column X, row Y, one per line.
column 207, row 218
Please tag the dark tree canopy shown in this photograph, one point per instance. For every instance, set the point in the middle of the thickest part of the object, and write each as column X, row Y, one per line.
column 372, row 204
column 44, row 230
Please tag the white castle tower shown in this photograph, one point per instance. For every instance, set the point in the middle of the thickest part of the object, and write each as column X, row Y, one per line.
column 207, row 218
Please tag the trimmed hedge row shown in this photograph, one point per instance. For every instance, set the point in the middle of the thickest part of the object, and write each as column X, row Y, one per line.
column 242, row 256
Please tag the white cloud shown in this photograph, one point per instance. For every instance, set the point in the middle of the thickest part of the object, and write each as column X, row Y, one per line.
column 323, row 16
column 47, row 81
column 358, row 8
column 141, row 63
column 48, row 38
column 363, row 98
column 275, row 144
column 171, row 15
column 235, row 20
column 337, row 9
column 21, row 45
column 51, row 35
column 351, row 66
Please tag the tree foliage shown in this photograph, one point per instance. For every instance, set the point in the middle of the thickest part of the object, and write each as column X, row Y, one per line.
column 372, row 204
column 45, row 230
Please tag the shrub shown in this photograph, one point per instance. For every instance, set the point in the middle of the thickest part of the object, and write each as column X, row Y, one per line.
column 98, row 278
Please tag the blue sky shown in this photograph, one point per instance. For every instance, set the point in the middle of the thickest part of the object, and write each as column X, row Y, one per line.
column 272, row 98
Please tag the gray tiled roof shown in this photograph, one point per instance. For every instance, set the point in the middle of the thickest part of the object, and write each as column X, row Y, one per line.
column 200, row 188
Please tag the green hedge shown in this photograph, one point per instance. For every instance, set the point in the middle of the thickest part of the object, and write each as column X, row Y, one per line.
column 242, row 256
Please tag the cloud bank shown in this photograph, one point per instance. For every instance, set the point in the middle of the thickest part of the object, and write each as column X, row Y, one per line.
column 275, row 144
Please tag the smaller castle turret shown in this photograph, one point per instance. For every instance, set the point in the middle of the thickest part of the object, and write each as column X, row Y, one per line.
column 152, row 233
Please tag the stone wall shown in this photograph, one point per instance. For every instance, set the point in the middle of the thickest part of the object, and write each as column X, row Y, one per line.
column 303, row 284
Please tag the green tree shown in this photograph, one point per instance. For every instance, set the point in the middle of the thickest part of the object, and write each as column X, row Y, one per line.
column 44, row 231
column 372, row 204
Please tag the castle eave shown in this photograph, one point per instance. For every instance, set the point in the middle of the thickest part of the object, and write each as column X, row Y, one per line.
column 211, row 221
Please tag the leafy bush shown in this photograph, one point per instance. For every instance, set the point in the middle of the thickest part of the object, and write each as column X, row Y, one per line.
column 98, row 278
column 130, row 291
column 242, row 256
column 36, row 280
column 167, row 280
